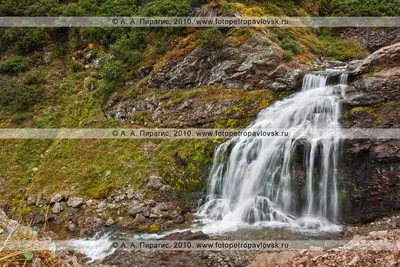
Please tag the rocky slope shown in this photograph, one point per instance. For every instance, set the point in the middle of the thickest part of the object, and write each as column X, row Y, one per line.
column 371, row 168
column 256, row 64
column 375, row 249
column 372, row 39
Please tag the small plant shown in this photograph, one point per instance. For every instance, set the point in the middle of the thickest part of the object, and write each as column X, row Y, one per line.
column 20, row 97
column 14, row 65
column 291, row 45
column 287, row 55
column 211, row 37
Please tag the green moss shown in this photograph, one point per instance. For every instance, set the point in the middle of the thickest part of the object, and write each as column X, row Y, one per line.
column 342, row 49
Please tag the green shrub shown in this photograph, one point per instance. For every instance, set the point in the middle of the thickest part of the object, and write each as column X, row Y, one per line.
column 228, row 7
column 15, row 64
column 20, row 97
column 112, row 74
column 171, row 8
column 211, row 37
column 291, row 45
column 129, row 48
column 34, row 78
column 360, row 7
column 24, row 40
column 287, row 55
column 113, row 71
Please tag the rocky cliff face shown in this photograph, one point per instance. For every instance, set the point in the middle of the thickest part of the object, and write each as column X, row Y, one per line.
column 372, row 39
column 371, row 168
column 255, row 64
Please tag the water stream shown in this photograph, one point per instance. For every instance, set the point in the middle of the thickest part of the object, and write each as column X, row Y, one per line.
column 256, row 181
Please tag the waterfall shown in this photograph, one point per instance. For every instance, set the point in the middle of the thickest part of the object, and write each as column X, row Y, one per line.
column 289, row 179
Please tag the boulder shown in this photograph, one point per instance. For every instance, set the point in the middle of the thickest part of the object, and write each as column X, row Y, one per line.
column 57, row 208
column 135, row 209
column 154, row 182
column 147, row 211
column 109, row 222
column 75, row 202
column 385, row 57
column 56, row 198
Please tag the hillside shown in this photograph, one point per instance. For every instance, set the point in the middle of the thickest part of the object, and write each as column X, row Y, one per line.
column 169, row 78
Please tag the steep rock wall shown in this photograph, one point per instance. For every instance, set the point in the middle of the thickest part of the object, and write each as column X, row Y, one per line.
column 371, row 168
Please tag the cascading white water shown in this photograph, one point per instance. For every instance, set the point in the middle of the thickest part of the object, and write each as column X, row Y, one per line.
column 290, row 180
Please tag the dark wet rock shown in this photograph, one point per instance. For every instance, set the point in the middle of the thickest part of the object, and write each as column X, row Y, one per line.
column 187, row 235
column 254, row 64
column 370, row 169
column 375, row 88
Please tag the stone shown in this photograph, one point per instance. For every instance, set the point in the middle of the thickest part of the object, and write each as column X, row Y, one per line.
column 90, row 83
column 90, row 203
column 140, row 219
column 283, row 258
column 387, row 56
column 71, row 262
column 378, row 233
column 75, row 202
column 72, row 227
column 147, row 211
column 109, row 222
column 96, row 64
column 135, row 209
column 302, row 260
column 152, row 203
column 56, row 198
column 187, row 235
column 154, row 182
column 354, row 261
column 130, row 194
column 47, row 57
column 102, row 206
column 39, row 200
column 31, row 201
column 389, row 257
column 57, row 208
